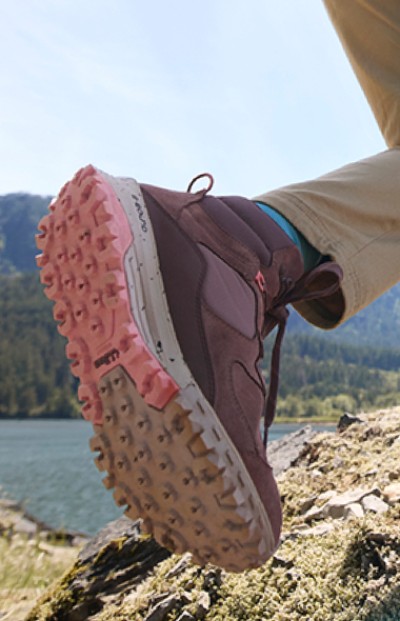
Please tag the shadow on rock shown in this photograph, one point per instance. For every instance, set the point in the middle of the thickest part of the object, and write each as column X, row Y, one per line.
column 375, row 557
column 386, row 610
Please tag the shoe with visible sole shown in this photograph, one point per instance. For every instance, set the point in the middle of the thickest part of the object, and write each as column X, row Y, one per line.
column 165, row 298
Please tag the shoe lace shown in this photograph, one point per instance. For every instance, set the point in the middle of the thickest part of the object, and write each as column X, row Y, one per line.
column 306, row 288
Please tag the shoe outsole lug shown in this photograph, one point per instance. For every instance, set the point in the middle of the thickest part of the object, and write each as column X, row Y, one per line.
column 165, row 463
column 120, row 497
column 201, row 531
column 153, row 438
column 109, row 481
column 92, row 275
column 158, row 487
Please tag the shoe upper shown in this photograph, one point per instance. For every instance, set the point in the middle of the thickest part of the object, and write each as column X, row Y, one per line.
column 228, row 271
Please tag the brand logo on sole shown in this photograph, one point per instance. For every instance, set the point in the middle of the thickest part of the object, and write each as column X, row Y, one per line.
column 141, row 216
column 106, row 359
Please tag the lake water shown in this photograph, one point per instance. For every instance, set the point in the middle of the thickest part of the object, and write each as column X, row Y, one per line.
column 48, row 466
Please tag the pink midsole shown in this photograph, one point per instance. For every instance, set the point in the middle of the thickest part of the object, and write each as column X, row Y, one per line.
column 84, row 239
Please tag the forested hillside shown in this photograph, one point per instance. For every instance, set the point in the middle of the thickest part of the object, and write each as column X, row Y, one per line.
column 322, row 373
column 377, row 325
column 34, row 374
column 322, row 378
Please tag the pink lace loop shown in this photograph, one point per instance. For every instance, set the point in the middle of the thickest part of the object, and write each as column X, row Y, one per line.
column 305, row 289
column 197, row 178
column 260, row 280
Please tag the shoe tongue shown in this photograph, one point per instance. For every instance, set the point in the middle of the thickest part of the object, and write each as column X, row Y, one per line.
column 321, row 282
column 266, row 229
column 227, row 214
column 326, row 307
column 324, row 277
column 279, row 257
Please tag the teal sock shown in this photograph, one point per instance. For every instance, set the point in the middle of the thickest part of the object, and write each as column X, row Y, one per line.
column 311, row 256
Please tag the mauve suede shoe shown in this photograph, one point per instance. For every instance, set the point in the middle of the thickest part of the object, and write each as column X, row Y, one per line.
column 165, row 299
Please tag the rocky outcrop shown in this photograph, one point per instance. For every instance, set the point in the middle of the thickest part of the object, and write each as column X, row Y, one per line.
column 339, row 558
column 283, row 453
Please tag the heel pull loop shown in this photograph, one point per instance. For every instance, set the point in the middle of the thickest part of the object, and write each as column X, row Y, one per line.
column 204, row 191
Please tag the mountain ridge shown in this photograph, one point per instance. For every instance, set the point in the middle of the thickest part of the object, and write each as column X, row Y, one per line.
column 19, row 215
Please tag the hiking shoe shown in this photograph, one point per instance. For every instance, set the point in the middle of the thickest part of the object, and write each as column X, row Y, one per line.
column 165, row 298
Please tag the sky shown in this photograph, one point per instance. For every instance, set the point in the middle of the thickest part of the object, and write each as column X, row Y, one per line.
column 257, row 92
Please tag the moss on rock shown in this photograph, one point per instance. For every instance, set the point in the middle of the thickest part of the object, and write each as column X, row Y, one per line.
column 345, row 569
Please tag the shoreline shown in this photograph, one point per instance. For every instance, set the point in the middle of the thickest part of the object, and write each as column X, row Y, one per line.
column 14, row 517
column 318, row 420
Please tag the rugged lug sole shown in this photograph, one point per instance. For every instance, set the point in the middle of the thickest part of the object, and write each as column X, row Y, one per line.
column 163, row 448
column 160, row 469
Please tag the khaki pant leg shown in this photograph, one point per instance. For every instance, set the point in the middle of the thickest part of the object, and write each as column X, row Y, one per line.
column 370, row 34
column 353, row 214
